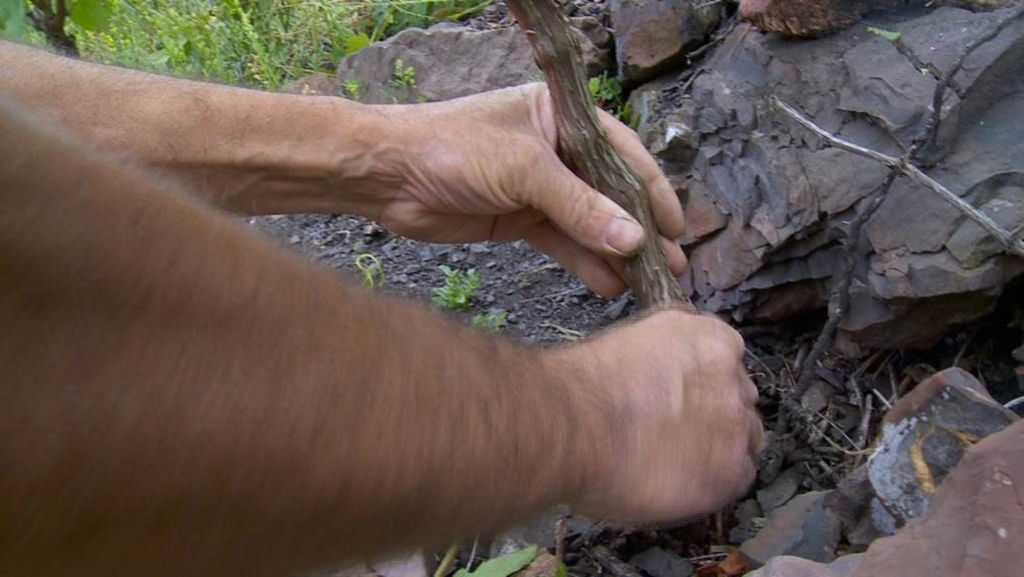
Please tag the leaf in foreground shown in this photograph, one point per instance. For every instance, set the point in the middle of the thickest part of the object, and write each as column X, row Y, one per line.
column 502, row 566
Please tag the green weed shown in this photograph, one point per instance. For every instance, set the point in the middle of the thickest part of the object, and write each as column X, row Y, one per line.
column 353, row 88
column 607, row 93
column 457, row 291
column 403, row 82
column 490, row 322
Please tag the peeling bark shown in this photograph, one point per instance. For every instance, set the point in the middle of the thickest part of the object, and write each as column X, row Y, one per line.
column 584, row 145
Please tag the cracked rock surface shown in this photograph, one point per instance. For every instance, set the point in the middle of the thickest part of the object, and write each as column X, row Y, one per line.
column 768, row 203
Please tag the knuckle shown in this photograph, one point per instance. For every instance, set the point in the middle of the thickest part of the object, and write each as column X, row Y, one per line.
column 720, row 353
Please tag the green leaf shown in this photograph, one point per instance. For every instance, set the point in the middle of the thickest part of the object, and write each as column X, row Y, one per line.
column 561, row 570
column 12, row 19
column 887, row 34
column 356, row 42
column 90, row 15
column 503, row 566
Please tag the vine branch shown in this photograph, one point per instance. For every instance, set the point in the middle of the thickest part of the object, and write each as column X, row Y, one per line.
column 583, row 144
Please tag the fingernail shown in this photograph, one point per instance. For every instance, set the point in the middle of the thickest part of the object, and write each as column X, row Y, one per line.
column 623, row 235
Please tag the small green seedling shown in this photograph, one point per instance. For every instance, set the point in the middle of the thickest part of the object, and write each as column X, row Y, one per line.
column 889, row 35
column 353, row 88
column 606, row 90
column 607, row 93
column 403, row 80
column 371, row 270
column 457, row 291
column 491, row 322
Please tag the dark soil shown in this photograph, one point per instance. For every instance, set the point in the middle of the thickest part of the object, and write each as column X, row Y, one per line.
column 543, row 303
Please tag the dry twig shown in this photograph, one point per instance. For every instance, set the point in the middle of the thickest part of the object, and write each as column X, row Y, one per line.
column 1005, row 238
column 617, row 567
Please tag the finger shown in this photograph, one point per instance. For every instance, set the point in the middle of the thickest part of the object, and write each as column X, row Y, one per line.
column 677, row 262
column 748, row 390
column 668, row 213
column 756, row 434
column 583, row 214
column 597, row 274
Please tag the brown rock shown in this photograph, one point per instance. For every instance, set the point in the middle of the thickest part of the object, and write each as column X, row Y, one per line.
column 925, row 435
column 786, row 566
column 650, row 34
column 804, row 18
column 976, row 525
column 703, row 216
column 814, row 17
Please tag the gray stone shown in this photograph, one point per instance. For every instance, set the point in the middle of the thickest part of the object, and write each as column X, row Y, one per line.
column 539, row 531
column 658, row 562
column 410, row 565
column 772, row 202
column 448, row 63
column 803, row 528
column 749, row 520
column 596, row 41
column 971, row 245
column 780, row 491
column 452, row 61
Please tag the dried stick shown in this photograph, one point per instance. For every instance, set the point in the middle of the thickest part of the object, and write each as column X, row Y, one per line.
column 839, row 301
column 583, row 143
column 615, row 566
column 865, row 422
column 1005, row 238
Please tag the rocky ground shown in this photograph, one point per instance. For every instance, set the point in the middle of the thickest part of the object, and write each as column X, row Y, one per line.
column 933, row 308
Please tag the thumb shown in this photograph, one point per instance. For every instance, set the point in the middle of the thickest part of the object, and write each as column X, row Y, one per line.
column 582, row 213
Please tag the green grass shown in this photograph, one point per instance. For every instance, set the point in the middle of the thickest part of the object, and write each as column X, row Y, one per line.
column 258, row 43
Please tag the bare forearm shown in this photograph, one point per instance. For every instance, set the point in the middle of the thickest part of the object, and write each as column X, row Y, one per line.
column 245, row 150
column 181, row 397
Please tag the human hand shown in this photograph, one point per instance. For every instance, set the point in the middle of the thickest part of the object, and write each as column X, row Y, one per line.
column 485, row 168
column 673, row 432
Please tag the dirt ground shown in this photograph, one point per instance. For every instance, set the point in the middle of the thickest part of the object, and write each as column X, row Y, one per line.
column 543, row 303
